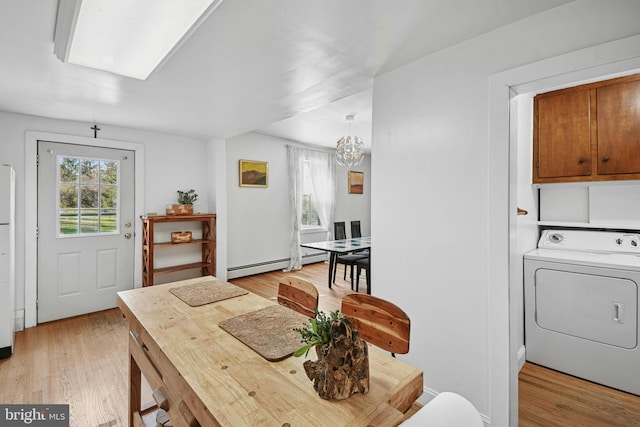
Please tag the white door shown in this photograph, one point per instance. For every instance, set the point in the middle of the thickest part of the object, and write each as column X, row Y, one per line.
column 85, row 228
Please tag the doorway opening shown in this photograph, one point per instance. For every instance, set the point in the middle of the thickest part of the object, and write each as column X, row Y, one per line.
column 85, row 228
column 31, row 207
column 610, row 60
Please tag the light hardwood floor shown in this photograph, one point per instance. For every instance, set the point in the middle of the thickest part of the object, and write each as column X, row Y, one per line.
column 83, row 361
column 552, row 399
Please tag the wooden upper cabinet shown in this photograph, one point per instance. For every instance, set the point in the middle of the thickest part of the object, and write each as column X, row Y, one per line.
column 619, row 128
column 564, row 139
column 588, row 133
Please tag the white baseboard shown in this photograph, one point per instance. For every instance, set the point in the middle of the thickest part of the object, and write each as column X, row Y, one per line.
column 19, row 320
column 522, row 357
column 427, row 396
column 265, row 267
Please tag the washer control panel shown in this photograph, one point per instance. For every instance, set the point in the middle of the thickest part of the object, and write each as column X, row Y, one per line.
column 590, row 241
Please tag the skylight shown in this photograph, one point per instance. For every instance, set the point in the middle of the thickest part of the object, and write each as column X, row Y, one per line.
column 127, row 37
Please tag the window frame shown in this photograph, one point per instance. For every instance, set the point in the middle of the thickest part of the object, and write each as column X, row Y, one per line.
column 78, row 208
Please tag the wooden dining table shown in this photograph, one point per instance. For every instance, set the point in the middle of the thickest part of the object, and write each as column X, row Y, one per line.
column 338, row 247
column 203, row 375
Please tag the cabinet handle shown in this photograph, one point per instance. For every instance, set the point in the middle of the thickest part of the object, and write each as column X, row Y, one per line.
column 581, row 161
column 605, row 159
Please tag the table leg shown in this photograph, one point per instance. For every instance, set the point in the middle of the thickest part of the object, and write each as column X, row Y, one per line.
column 331, row 263
column 135, row 389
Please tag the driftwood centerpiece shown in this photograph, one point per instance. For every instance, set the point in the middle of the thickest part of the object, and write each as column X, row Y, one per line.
column 342, row 368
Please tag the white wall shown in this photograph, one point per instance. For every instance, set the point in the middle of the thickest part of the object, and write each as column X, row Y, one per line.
column 596, row 204
column 259, row 224
column 431, row 175
column 255, row 222
column 527, row 225
column 216, row 166
column 171, row 163
column 354, row 207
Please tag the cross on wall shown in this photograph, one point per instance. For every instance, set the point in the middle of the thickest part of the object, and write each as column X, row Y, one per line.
column 95, row 129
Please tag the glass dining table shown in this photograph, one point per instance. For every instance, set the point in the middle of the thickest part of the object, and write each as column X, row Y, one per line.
column 337, row 247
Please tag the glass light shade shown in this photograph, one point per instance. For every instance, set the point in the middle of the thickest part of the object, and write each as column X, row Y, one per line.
column 350, row 151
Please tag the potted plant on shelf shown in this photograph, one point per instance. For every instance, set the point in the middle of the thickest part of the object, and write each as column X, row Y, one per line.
column 185, row 203
column 342, row 368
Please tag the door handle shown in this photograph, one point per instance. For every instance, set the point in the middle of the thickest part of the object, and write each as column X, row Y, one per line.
column 618, row 312
column 127, row 236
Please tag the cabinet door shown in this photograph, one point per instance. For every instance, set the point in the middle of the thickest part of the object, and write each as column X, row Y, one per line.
column 563, row 135
column 618, row 111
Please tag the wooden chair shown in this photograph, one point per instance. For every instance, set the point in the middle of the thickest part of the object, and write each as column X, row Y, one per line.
column 298, row 294
column 379, row 322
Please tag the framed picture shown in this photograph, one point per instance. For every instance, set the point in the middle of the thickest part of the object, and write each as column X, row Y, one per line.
column 356, row 182
column 254, row 173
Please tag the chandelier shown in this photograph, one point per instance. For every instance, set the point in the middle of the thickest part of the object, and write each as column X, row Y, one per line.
column 350, row 148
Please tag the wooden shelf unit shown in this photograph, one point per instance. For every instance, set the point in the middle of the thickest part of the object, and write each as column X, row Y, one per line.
column 208, row 243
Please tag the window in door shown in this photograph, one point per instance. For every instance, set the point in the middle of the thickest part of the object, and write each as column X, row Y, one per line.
column 88, row 195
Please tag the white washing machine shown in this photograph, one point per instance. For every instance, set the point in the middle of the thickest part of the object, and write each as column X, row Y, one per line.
column 581, row 305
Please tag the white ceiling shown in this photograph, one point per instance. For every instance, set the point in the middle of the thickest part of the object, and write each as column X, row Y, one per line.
column 288, row 68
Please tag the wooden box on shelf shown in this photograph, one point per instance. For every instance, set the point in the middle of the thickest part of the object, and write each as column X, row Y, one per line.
column 178, row 209
column 180, row 237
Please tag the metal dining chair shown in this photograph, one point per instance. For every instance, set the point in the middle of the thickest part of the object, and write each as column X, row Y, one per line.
column 355, row 229
column 378, row 321
column 363, row 264
column 357, row 232
column 347, row 259
column 298, row 294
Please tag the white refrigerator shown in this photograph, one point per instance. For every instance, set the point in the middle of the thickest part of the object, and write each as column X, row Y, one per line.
column 7, row 263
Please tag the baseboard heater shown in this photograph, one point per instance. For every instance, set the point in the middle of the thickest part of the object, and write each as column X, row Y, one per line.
column 263, row 267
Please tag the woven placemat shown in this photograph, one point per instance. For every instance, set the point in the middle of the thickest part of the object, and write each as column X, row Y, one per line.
column 207, row 292
column 268, row 331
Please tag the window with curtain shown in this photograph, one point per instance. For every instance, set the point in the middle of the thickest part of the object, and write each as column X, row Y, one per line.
column 317, row 169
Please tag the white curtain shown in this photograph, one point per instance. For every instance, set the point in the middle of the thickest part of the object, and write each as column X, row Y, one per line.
column 295, row 161
column 322, row 168
column 323, row 179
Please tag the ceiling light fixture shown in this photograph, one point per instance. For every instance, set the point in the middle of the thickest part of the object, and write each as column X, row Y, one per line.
column 130, row 38
column 350, row 148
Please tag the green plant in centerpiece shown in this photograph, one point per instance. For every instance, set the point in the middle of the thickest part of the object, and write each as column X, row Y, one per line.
column 317, row 332
column 187, row 197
